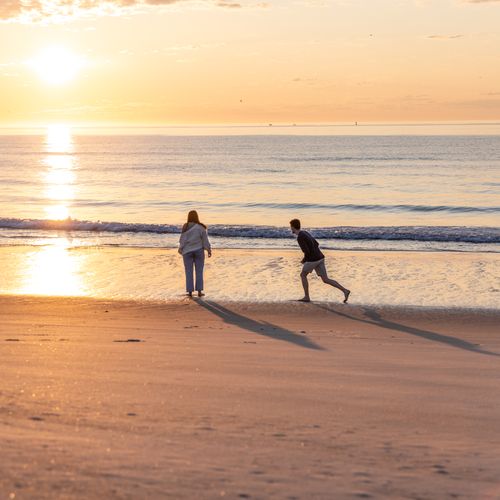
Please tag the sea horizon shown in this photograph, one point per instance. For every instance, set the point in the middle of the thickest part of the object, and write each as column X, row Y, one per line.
column 424, row 127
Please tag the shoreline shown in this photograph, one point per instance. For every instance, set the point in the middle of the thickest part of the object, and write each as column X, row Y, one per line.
column 289, row 248
column 278, row 305
column 431, row 279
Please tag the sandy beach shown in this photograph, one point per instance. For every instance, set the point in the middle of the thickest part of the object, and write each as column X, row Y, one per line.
column 187, row 399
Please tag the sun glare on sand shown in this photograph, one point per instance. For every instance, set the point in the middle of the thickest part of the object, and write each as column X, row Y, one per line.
column 57, row 65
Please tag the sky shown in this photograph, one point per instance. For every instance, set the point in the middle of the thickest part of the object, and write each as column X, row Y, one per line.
column 196, row 62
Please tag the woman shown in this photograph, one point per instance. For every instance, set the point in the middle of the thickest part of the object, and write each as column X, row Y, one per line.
column 192, row 246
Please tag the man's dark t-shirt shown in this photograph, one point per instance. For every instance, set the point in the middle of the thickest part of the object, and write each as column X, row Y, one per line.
column 310, row 247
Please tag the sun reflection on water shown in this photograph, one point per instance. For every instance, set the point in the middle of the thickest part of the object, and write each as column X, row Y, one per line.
column 54, row 270
column 59, row 177
column 58, row 139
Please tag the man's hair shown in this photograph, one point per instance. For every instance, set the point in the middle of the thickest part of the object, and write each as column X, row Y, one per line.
column 295, row 223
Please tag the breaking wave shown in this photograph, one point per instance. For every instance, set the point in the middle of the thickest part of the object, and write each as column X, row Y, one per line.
column 387, row 233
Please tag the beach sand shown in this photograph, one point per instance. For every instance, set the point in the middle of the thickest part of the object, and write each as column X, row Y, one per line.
column 110, row 399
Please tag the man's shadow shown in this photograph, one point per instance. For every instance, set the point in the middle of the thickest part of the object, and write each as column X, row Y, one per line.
column 259, row 327
column 377, row 320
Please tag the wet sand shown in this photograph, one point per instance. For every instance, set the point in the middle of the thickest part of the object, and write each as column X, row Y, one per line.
column 427, row 279
column 109, row 399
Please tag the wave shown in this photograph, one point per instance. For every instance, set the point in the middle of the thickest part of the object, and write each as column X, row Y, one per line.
column 342, row 207
column 332, row 159
column 389, row 233
column 375, row 208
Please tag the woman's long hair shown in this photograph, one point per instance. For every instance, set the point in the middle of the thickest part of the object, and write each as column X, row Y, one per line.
column 192, row 217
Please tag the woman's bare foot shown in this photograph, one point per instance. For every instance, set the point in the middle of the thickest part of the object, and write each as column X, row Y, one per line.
column 346, row 296
column 201, row 294
column 189, row 294
column 304, row 299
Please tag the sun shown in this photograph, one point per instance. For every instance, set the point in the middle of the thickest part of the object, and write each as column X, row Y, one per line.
column 57, row 65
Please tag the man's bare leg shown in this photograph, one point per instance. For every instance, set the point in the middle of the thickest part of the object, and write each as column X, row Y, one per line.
column 305, row 285
column 336, row 284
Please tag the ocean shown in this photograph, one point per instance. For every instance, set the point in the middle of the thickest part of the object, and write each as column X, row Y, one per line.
column 364, row 192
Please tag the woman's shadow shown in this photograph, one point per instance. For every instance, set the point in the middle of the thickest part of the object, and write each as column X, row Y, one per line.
column 259, row 327
column 377, row 320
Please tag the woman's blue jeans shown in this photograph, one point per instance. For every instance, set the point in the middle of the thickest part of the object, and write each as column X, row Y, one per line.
column 196, row 259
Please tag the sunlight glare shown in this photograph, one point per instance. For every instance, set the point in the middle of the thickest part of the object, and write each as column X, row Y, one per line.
column 57, row 65
column 60, row 192
column 58, row 139
column 54, row 270
column 57, row 212
column 60, row 176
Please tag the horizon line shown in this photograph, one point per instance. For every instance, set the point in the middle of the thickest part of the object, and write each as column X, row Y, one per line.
column 254, row 125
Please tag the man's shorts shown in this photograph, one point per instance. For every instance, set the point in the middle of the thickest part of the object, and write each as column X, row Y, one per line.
column 318, row 266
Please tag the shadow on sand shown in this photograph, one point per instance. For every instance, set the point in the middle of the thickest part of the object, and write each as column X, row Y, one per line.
column 377, row 320
column 258, row 327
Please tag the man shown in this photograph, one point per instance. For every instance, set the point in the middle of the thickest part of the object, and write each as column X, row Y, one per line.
column 313, row 260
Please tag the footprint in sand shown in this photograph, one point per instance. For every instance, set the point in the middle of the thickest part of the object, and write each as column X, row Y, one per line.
column 440, row 469
column 361, row 474
column 258, row 472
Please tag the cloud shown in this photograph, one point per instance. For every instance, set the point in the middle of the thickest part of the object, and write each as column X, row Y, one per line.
column 59, row 10
column 229, row 5
column 445, row 37
column 417, row 98
column 305, row 81
column 491, row 104
column 10, row 8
